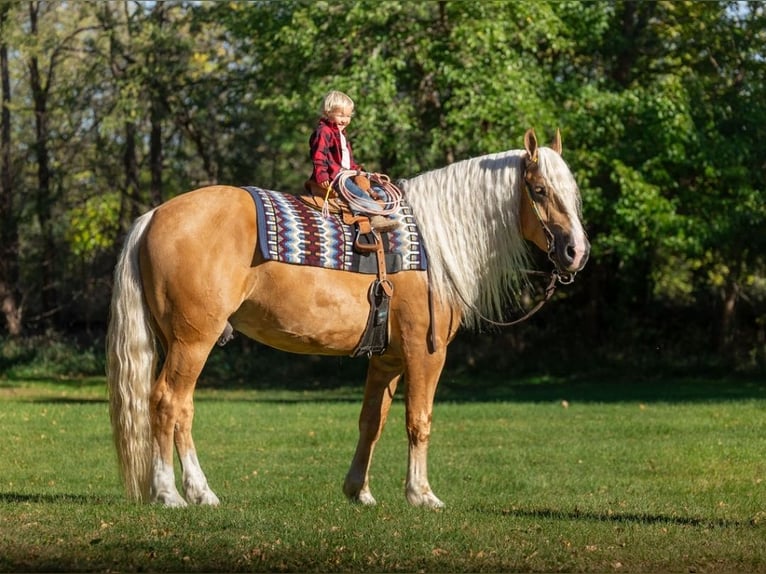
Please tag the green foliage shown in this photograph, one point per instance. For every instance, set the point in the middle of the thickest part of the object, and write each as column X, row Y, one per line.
column 91, row 226
column 661, row 104
column 50, row 356
column 643, row 216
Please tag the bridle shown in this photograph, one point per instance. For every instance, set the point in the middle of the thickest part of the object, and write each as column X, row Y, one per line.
column 563, row 277
column 556, row 274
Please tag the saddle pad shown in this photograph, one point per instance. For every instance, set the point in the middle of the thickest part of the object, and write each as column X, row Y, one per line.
column 292, row 232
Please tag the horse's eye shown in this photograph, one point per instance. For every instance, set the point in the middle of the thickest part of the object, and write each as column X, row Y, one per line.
column 540, row 190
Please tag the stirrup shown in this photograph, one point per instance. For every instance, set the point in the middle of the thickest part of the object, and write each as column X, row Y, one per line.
column 366, row 242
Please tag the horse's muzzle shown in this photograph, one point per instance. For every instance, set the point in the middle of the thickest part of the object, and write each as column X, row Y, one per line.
column 569, row 253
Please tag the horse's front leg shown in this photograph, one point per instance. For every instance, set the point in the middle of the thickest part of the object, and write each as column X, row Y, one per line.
column 382, row 377
column 423, row 374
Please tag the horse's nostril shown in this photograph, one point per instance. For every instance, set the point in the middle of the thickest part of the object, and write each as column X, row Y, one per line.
column 570, row 252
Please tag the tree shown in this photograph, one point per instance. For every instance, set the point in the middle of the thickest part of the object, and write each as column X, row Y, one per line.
column 119, row 105
column 9, row 233
column 665, row 153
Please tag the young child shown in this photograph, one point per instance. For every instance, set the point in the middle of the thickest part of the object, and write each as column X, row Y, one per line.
column 331, row 153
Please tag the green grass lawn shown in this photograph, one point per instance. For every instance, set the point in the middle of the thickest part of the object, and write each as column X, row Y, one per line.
column 662, row 476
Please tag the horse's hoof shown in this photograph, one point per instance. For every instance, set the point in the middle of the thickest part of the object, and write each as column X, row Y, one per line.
column 365, row 498
column 206, row 498
column 170, row 500
column 427, row 499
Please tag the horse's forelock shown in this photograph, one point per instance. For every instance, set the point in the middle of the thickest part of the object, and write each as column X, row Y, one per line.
column 557, row 172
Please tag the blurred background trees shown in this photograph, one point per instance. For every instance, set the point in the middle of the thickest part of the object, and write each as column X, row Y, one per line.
column 112, row 107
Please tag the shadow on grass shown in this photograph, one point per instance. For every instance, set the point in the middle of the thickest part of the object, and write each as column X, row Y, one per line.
column 334, row 379
column 464, row 389
column 617, row 517
column 288, row 378
column 600, row 390
column 19, row 498
column 70, row 400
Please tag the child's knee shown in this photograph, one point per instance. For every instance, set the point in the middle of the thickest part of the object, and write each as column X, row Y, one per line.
column 355, row 190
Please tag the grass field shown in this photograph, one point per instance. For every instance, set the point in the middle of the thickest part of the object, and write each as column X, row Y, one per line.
column 623, row 477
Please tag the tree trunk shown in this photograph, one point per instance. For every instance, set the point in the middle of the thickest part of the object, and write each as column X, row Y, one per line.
column 9, row 231
column 634, row 18
column 44, row 200
column 730, row 296
column 130, row 162
column 155, row 154
column 156, row 113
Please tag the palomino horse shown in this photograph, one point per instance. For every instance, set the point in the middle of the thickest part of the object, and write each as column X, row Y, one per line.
column 191, row 264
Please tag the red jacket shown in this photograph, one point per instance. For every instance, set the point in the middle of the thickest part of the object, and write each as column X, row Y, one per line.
column 326, row 153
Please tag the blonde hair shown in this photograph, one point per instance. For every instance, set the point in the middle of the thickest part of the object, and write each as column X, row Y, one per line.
column 335, row 99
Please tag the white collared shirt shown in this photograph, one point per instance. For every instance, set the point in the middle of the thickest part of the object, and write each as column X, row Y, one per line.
column 345, row 157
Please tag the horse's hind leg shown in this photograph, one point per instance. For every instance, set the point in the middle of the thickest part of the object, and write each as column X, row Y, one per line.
column 382, row 377
column 172, row 414
column 195, row 484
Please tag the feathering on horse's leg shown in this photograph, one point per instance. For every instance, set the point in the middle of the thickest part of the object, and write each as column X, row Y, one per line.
column 382, row 378
column 422, row 378
column 195, row 486
column 195, row 483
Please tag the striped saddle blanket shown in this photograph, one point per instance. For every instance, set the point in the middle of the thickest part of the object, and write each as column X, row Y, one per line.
column 292, row 232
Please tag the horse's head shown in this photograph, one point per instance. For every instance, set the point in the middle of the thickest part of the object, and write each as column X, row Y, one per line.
column 550, row 216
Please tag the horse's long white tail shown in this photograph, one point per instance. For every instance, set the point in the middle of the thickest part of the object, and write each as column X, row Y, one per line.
column 131, row 360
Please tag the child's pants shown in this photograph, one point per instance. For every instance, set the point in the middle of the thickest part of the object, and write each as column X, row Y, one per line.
column 369, row 205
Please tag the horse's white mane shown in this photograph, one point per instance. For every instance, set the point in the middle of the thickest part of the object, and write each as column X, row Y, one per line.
column 468, row 214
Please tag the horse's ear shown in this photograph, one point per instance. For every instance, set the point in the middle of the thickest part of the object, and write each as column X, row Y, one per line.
column 556, row 145
column 530, row 143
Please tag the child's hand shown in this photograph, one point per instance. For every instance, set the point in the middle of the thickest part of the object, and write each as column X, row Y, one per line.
column 325, row 184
